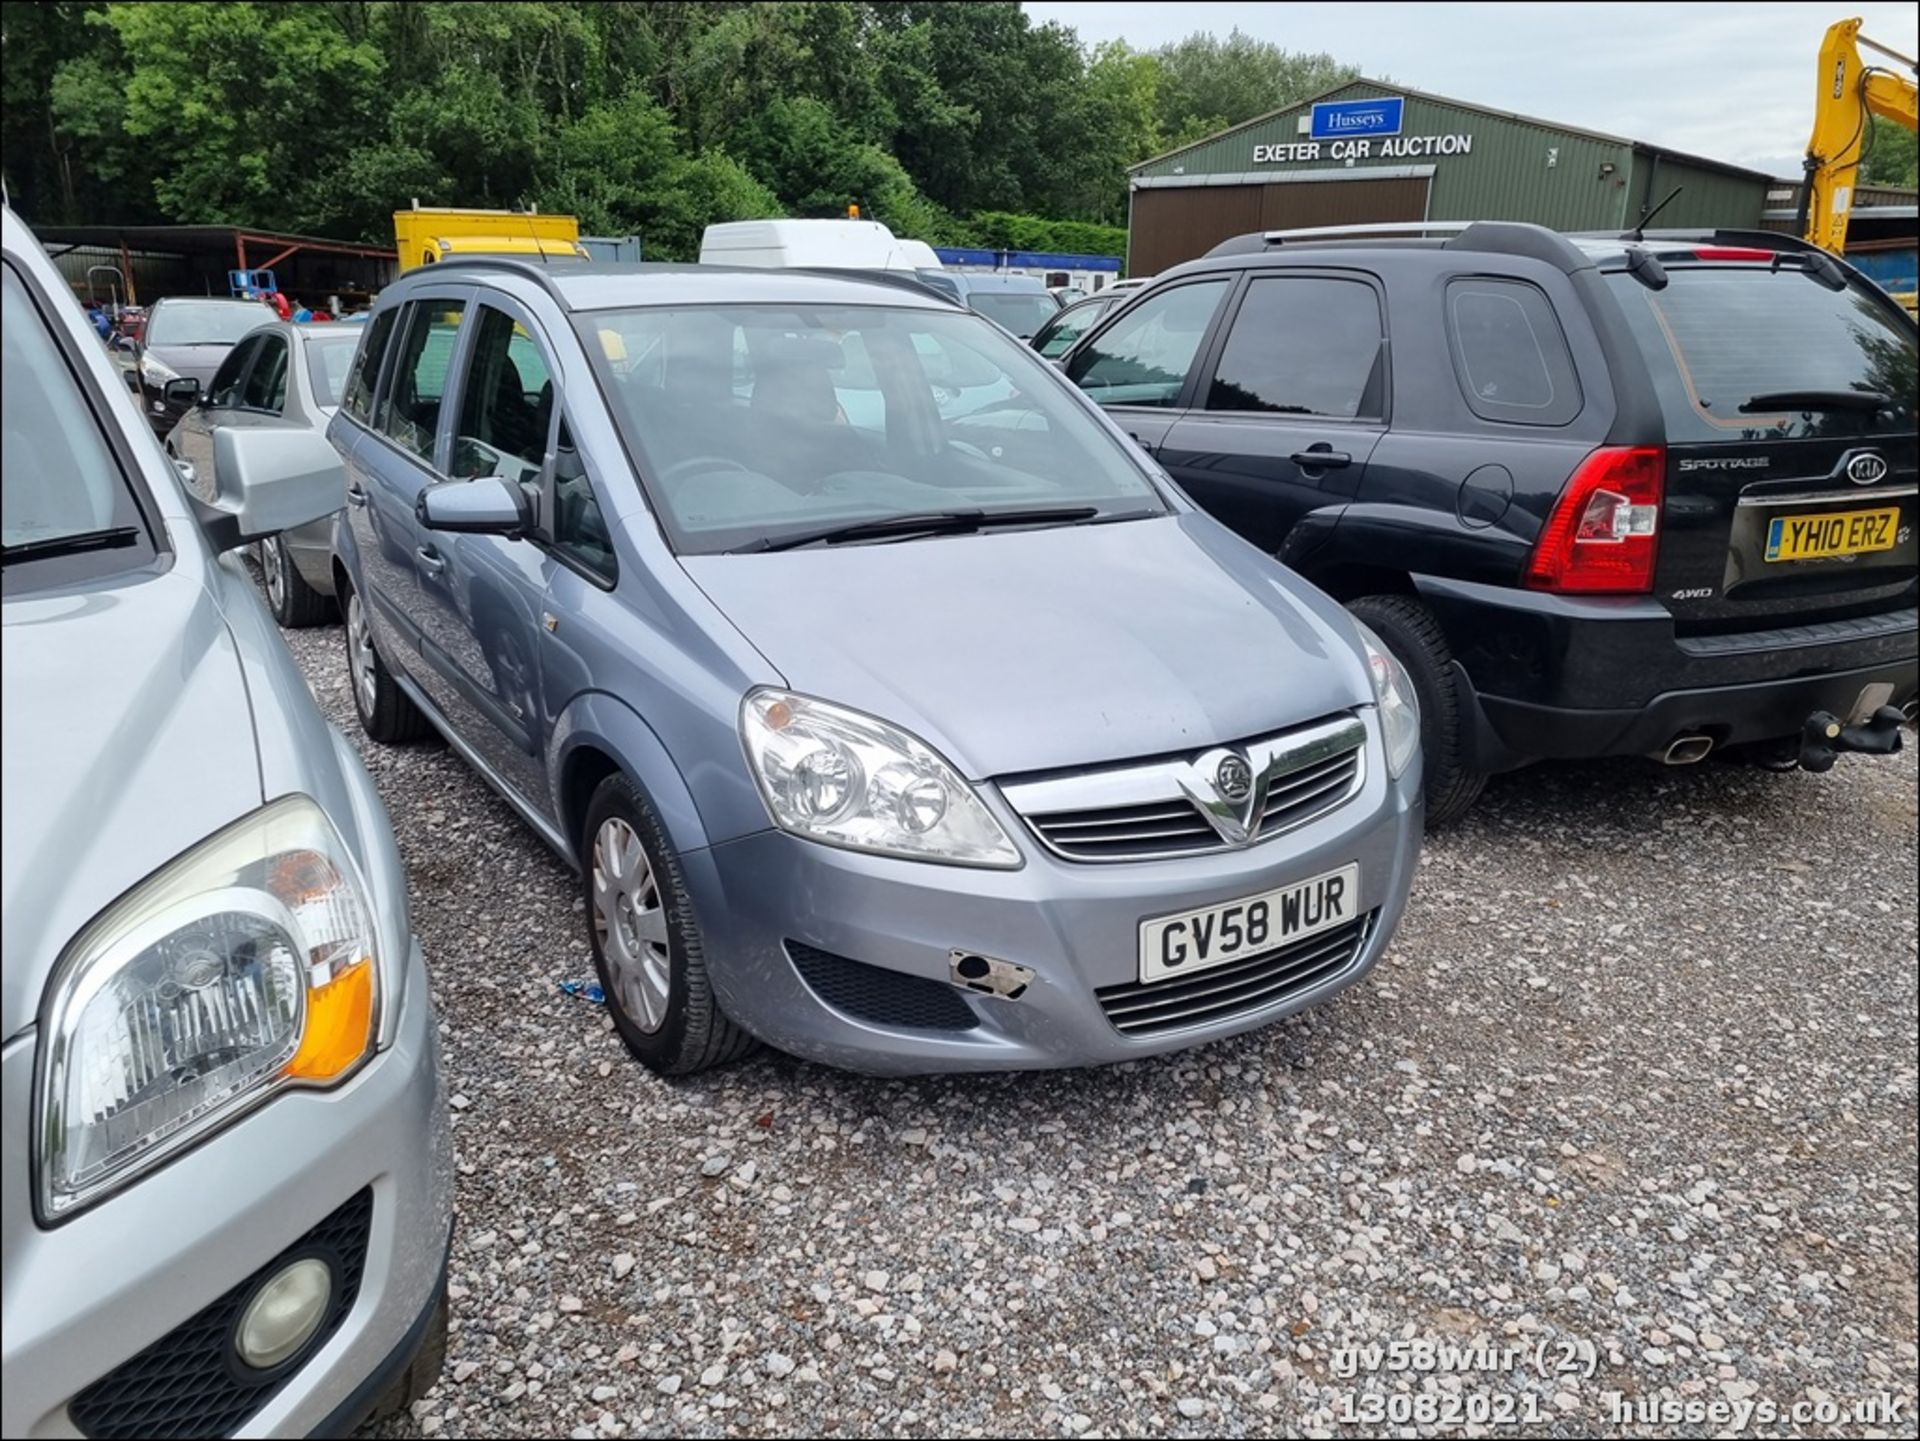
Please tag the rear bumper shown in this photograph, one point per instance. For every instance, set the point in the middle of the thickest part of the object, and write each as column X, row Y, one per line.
column 1558, row 677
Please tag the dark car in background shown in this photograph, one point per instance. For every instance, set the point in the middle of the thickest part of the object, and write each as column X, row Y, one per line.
column 1602, row 495
column 1017, row 303
column 185, row 338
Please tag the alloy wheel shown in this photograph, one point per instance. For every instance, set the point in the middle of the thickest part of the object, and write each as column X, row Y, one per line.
column 360, row 659
column 273, row 568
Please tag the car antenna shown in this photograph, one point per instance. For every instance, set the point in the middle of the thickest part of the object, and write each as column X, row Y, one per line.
column 1640, row 230
column 534, row 235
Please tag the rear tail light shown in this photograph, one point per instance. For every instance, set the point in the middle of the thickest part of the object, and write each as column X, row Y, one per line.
column 1603, row 534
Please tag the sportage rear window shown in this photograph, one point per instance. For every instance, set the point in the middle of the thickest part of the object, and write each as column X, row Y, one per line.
column 1717, row 337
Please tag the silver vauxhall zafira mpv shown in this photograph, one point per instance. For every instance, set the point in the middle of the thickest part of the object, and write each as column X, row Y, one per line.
column 226, row 1169
column 894, row 707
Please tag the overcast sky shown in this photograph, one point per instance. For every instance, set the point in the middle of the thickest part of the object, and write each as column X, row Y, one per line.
column 1733, row 82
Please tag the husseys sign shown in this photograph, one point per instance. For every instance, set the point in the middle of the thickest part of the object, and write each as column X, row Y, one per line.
column 1359, row 130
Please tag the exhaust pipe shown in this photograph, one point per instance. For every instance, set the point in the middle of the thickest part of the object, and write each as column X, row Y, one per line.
column 1687, row 750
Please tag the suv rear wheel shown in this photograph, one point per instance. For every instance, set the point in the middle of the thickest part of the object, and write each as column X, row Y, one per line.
column 1413, row 635
column 294, row 603
column 646, row 944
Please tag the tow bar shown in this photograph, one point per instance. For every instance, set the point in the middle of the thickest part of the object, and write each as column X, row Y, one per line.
column 1823, row 738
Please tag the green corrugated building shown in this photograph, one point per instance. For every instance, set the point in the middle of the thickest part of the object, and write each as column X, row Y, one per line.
column 1367, row 152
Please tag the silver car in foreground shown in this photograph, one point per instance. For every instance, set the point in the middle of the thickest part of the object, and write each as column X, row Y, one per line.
column 226, row 1169
column 282, row 376
column 895, row 708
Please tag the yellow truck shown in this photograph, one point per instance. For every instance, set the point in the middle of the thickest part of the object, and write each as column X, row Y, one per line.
column 424, row 235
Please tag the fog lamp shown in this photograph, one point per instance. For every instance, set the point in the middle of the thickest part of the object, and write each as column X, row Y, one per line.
column 284, row 1313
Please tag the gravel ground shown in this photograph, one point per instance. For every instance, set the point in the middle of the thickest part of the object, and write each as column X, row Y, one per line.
column 1637, row 1081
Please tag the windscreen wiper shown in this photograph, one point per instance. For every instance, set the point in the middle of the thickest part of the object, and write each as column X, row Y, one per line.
column 934, row 522
column 1866, row 400
column 109, row 539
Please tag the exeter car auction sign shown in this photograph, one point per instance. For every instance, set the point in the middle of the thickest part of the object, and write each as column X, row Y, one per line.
column 1350, row 130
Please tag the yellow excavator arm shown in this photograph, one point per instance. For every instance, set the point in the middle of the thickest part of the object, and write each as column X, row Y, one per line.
column 1850, row 91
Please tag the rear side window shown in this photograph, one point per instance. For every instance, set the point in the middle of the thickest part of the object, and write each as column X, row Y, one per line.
column 1509, row 354
column 358, row 401
column 1304, row 345
column 409, row 413
column 1144, row 356
column 1746, row 352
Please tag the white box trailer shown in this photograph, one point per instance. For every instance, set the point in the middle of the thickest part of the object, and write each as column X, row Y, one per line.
column 829, row 244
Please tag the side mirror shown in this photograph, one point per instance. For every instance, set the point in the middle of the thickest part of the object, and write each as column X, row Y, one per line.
column 490, row 505
column 183, row 391
column 269, row 480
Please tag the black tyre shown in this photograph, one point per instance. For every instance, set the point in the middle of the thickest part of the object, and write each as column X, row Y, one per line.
column 414, row 1382
column 384, row 709
column 646, row 945
column 294, row 603
column 1414, row 637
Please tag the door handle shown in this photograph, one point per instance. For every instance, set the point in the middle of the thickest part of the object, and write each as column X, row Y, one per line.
column 1321, row 457
column 431, row 559
column 356, row 497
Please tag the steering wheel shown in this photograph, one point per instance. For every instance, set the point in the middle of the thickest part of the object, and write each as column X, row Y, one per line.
column 695, row 463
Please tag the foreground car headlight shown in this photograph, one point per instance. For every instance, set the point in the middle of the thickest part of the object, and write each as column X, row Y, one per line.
column 836, row 775
column 156, row 372
column 1399, row 706
column 246, row 965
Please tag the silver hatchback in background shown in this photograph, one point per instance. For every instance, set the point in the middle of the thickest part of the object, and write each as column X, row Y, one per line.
column 281, row 377
column 226, row 1167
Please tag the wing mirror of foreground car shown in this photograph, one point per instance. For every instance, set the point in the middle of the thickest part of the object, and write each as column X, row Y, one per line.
column 490, row 505
column 266, row 481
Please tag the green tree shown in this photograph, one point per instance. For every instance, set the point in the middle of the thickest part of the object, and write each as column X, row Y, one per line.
column 1892, row 154
column 1208, row 83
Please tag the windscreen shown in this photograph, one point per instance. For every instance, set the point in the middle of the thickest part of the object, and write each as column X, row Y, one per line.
column 761, row 422
column 1718, row 337
column 1022, row 312
column 328, row 361
column 205, row 322
column 59, row 480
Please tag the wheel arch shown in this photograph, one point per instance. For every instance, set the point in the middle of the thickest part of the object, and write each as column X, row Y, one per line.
column 599, row 735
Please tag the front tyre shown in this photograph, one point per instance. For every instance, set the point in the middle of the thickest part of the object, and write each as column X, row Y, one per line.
column 646, row 944
column 1415, row 638
column 386, row 713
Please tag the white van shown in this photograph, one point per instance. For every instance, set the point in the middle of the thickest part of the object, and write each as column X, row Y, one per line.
column 832, row 244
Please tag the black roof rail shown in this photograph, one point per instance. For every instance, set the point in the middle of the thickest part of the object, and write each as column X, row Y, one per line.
column 898, row 279
column 1514, row 237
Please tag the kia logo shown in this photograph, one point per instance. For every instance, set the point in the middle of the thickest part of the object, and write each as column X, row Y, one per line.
column 1865, row 468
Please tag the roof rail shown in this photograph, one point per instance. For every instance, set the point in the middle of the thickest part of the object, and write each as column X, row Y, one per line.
column 1381, row 227
column 899, row 279
column 541, row 270
column 1522, row 238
